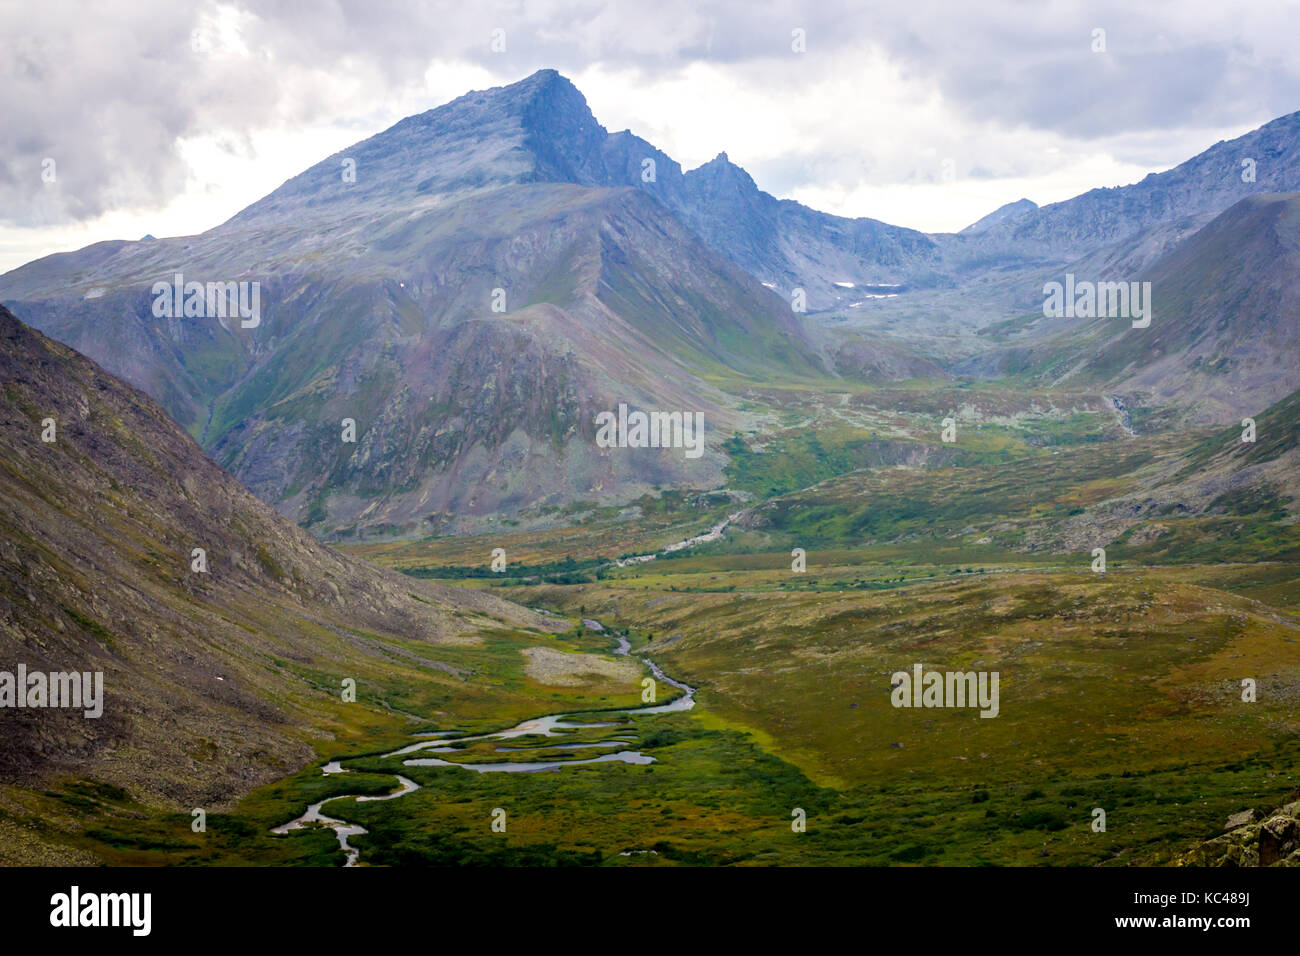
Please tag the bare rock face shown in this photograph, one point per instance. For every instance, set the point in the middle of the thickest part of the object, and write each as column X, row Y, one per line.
column 1252, row 839
column 1203, row 186
column 1279, row 839
column 1244, row 818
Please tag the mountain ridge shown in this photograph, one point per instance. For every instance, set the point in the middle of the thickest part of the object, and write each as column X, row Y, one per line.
column 382, row 268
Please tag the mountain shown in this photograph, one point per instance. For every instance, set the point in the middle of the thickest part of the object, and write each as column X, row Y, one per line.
column 1007, row 213
column 781, row 242
column 1203, row 187
column 213, row 682
column 1229, row 317
column 472, row 286
column 378, row 303
column 542, row 130
column 1225, row 325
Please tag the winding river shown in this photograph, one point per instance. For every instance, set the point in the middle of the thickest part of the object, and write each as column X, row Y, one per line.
column 551, row 725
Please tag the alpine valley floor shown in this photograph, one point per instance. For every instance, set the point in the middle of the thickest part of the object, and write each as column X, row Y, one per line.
column 1119, row 690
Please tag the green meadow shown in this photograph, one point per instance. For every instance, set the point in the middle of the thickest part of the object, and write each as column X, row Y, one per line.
column 1119, row 691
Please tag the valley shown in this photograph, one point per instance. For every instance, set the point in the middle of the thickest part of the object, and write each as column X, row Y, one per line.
column 517, row 435
column 1119, row 690
column 1126, row 684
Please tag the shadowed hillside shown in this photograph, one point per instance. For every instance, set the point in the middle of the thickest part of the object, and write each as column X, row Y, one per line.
column 213, row 682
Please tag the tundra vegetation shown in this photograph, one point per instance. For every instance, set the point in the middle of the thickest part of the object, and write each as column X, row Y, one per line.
column 1120, row 690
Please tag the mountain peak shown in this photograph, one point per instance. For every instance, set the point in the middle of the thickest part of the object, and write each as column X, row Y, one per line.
column 543, row 78
column 548, row 88
column 538, row 129
column 719, row 171
column 1005, row 213
column 561, row 131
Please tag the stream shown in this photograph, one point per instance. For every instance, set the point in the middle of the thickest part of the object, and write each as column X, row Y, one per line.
column 550, row 725
column 713, row 534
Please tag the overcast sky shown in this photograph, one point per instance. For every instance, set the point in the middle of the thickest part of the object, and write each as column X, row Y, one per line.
column 168, row 116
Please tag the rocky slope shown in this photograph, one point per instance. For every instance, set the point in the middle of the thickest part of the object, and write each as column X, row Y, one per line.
column 1252, row 838
column 1203, row 186
column 1225, row 326
column 216, row 681
column 471, row 301
column 1218, row 476
column 1228, row 332
column 1008, row 213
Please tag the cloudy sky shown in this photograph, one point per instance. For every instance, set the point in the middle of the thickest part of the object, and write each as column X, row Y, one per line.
column 168, row 116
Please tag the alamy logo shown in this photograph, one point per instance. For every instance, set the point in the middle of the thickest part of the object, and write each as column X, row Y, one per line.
column 74, row 908
column 78, row 691
column 212, row 300
column 639, row 429
column 1098, row 300
column 951, row 689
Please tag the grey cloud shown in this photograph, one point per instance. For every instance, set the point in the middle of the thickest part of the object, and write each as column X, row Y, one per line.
column 105, row 90
column 1166, row 66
